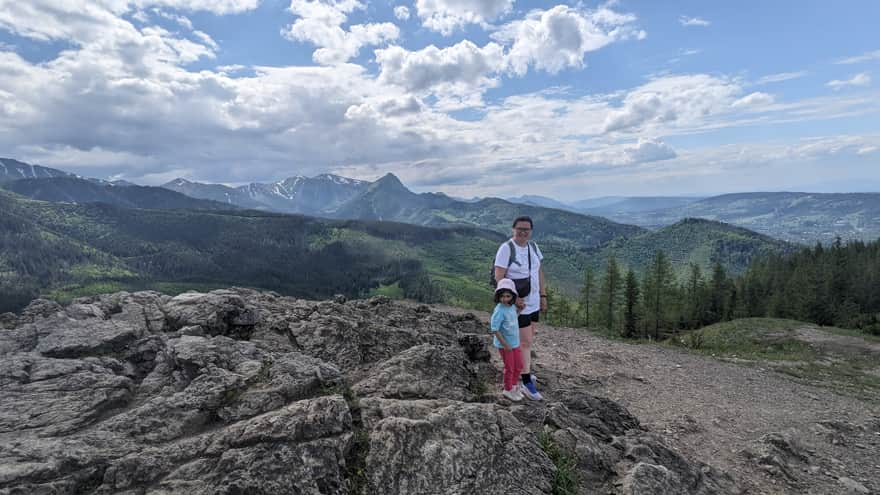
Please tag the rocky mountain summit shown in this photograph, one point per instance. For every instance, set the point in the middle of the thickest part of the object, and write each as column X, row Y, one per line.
column 238, row 391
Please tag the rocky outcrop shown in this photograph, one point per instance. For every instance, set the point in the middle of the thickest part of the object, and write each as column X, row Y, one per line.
column 238, row 391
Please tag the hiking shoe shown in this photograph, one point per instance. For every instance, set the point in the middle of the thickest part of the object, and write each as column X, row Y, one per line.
column 512, row 394
column 531, row 392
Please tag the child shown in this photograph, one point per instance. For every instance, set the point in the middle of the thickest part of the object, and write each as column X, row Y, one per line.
column 505, row 329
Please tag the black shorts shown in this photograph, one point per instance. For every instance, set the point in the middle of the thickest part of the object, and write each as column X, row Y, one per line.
column 526, row 320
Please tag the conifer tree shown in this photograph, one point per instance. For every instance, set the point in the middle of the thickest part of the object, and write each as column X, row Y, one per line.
column 630, row 304
column 657, row 290
column 694, row 294
column 609, row 294
column 587, row 295
column 718, row 294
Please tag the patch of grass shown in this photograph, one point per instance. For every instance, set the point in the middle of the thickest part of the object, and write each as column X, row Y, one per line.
column 773, row 343
column 765, row 339
column 565, row 480
column 393, row 291
column 356, row 462
column 67, row 293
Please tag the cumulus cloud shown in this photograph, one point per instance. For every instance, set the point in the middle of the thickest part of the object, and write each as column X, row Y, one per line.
column 463, row 68
column 142, row 105
column 445, row 16
column 648, row 151
column 558, row 38
column 401, row 12
column 865, row 57
column 782, row 76
column 672, row 100
column 320, row 23
column 861, row 79
column 693, row 21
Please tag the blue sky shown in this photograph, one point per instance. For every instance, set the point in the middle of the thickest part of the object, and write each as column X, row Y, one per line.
column 468, row 97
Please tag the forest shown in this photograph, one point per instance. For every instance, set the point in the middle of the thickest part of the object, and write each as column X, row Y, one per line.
column 836, row 285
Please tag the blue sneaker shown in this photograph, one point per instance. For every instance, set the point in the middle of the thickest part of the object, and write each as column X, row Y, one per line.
column 529, row 390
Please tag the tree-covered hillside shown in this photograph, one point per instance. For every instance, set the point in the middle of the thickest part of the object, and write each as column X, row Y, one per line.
column 791, row 216
column 692, row 240
column 76, row 190
column 388, row 199
column 66, row 250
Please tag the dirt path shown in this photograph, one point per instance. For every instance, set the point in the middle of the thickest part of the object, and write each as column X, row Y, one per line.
column 718, row 411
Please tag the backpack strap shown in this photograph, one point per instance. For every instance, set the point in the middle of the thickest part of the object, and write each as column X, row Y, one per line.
column 512, row 258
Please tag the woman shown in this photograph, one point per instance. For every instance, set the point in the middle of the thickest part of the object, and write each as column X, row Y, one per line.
column 524, row 268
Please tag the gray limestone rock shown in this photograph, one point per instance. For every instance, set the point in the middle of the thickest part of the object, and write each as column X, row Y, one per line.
column 422, row 372
column 239, row 391
column 439, row 447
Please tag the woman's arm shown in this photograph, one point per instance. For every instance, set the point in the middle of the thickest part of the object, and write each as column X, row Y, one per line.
column 542, row 289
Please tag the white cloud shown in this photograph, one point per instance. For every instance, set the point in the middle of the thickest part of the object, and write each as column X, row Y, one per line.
column 445, row 16
column 693, row 21
column 559, row 38
column 833, row 146
column 401, row 12
column 671, row 101
column 220, row 7
column 782, row 76
column 756, row 99
column 643, row 151
column 861, row 79
column 460, row 68
column 865, row 57
column 182, row 20
column 151, row 117
column 320, row 23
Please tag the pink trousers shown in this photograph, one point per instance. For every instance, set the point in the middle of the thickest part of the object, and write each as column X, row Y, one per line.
column 513, row 365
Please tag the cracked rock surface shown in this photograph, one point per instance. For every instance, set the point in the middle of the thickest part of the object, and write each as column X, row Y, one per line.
column 238, row 391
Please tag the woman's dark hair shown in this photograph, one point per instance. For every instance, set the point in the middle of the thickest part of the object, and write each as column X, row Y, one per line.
column 502, row 291
column 523, row 218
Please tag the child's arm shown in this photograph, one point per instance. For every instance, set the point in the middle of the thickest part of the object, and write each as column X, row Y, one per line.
column 497, row 334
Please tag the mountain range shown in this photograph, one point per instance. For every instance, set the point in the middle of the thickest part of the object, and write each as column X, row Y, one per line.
column 70, row 189
column 799, row 217
column 114, row 233
column 12, row 170
column 317, row 196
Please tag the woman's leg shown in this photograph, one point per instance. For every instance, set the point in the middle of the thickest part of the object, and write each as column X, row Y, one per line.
column 526, row 338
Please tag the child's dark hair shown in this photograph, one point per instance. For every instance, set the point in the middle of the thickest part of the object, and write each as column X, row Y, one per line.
column 503, row 291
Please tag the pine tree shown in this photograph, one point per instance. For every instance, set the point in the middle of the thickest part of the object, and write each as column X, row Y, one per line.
column 609, row 294
column 718, row 294
column 694, row 294
column 657, row 290
column 587, row 295
column 630, row 304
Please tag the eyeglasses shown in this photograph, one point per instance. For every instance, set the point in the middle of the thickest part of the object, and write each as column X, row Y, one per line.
column 518, row 229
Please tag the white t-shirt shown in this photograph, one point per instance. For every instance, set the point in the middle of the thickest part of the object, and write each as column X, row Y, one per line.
column 520, row 269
